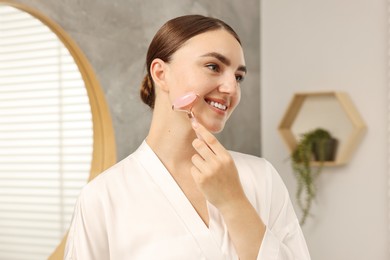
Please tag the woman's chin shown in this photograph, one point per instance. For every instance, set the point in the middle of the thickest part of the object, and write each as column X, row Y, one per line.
column 214, row 126
column 215, row 129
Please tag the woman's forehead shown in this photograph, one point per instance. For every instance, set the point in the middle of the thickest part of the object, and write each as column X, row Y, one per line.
column 216, row 41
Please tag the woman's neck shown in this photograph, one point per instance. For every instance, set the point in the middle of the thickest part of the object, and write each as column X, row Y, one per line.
column 170, row 137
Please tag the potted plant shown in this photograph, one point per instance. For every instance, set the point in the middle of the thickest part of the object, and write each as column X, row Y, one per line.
column 316, row 145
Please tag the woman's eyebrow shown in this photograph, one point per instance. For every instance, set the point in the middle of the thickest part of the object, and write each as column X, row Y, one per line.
column 223, row 59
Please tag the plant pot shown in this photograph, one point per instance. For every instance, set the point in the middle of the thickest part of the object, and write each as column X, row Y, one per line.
column 325, row 150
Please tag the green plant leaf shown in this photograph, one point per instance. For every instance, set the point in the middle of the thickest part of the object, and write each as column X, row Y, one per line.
column 306, row 174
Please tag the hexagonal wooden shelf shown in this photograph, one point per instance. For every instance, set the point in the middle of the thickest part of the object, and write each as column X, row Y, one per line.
column 333, row 111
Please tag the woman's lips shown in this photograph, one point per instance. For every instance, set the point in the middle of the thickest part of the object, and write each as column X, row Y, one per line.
column 217, row 103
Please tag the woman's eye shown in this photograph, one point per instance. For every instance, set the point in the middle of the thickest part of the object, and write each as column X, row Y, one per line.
column 239, row 78
column 213, row 67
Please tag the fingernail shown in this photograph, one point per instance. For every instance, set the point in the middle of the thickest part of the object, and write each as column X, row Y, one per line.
column 194, row 123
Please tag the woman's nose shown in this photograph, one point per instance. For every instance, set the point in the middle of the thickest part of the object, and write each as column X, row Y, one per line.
column 229, row 84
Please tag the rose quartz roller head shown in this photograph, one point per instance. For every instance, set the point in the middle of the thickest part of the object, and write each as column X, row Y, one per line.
column 185, row 104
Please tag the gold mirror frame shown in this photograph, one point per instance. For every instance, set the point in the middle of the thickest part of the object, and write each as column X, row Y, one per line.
column 104, row 149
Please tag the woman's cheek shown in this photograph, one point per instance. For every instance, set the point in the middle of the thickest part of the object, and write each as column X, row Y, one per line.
column 236, row 101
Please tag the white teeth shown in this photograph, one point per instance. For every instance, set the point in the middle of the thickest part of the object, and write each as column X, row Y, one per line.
column 218, row 105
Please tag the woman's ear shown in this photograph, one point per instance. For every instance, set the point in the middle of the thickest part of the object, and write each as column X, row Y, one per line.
column 158, row 70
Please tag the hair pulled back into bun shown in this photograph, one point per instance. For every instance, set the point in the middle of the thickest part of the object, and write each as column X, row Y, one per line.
column 147, row 91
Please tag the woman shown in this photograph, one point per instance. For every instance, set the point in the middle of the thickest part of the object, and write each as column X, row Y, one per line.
column 179, row 196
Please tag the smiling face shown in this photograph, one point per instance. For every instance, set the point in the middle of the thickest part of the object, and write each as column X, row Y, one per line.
column 212, row 65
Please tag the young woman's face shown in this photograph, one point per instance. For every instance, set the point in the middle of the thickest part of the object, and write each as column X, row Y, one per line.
column 212, row 65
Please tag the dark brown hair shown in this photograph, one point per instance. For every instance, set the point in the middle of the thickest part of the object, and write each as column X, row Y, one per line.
column 169, row 38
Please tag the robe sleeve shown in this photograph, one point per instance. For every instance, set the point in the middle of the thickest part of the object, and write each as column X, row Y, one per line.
column 87, row 238
column 283, row 239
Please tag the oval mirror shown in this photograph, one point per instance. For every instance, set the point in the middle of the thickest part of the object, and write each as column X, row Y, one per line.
column 55, row 132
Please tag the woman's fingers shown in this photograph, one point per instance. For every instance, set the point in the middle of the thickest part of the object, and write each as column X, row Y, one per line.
column 214, row 170
column 208, row 138
column 203, row 149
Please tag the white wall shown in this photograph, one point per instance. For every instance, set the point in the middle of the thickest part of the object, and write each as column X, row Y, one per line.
column 332, row 45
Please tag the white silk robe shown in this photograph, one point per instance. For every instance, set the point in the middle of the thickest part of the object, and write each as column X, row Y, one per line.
column 135, row 210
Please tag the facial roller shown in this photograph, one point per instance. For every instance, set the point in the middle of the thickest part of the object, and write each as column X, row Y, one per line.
column 185, row 104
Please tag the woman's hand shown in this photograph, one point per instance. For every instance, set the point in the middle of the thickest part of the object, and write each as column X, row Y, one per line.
column 214, row 171
column 216, row 175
